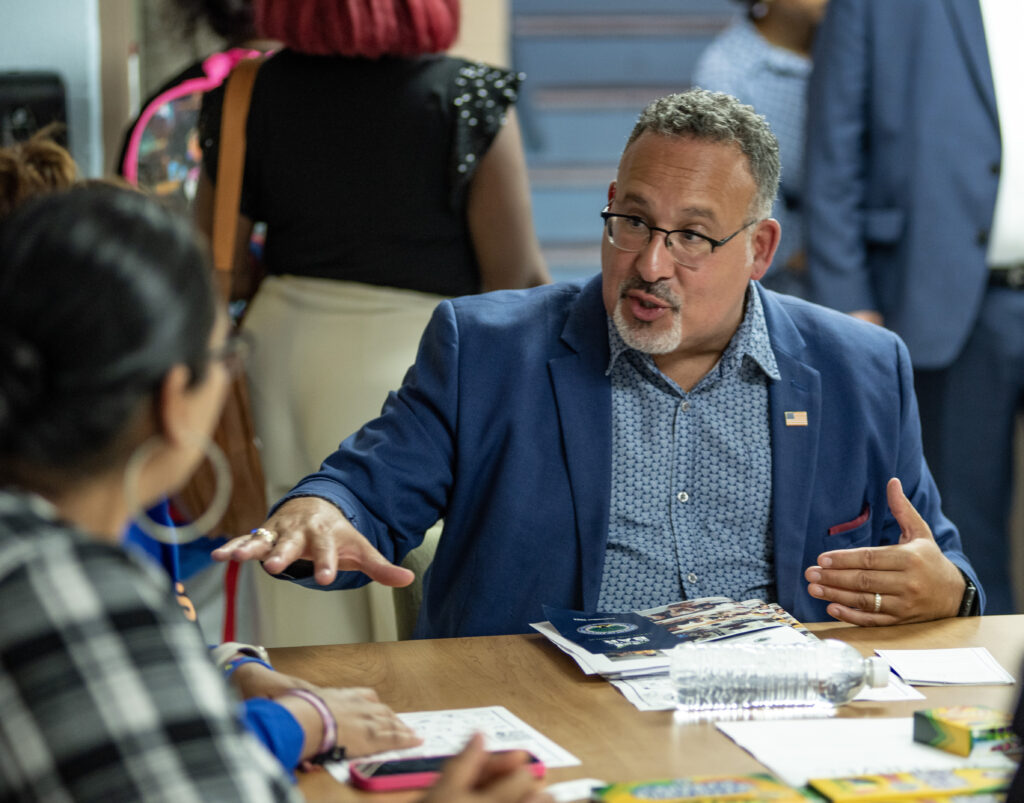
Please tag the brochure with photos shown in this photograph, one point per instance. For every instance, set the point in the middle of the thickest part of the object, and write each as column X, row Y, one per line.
column 637, row 643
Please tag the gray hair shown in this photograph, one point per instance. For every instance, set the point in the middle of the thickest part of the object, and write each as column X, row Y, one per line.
column 717, row 117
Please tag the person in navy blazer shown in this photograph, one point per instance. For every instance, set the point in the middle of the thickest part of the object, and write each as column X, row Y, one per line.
column 902, row 174
column 503, row 427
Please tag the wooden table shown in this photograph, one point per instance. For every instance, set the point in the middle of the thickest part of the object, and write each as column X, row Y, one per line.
column 588, row 716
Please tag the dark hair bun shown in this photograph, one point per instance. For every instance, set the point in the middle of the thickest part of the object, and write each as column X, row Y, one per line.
column 229, row 19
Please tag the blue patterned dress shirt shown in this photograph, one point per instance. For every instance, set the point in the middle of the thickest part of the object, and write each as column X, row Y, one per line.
column 691, row 476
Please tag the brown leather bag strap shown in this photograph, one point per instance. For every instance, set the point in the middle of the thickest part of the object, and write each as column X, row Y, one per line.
column 231, row 164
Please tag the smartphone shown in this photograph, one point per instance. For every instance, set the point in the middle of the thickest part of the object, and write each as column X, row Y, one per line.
column 410, row 773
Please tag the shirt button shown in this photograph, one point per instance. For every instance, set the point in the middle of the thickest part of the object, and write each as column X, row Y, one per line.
column 684, row 406
column 683, row 496
column 691, row 578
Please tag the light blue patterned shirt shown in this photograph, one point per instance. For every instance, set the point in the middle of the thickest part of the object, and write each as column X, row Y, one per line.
column 742, row 63
column 691, row 476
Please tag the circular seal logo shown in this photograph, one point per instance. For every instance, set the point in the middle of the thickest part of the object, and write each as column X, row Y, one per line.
column 607, row 629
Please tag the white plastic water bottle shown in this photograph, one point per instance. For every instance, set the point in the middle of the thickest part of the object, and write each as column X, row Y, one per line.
column 710, row 677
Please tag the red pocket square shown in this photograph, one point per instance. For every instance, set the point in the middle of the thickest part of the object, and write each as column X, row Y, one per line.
column 854, row 524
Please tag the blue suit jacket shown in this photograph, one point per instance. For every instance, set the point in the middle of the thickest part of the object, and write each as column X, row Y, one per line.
column 503, row 428
column 902, row 169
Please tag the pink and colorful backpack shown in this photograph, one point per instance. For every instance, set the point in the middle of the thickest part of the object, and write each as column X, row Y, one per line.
column 163, row 154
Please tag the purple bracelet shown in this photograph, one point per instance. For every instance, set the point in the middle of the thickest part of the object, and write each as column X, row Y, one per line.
column 329, row 749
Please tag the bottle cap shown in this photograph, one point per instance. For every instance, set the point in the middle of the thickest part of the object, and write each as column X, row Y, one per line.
column 878, row 673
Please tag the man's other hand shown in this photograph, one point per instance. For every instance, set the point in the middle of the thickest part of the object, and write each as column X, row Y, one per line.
column 911, row 581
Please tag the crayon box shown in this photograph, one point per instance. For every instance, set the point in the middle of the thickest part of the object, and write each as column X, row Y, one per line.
column 754, row 788
column 961, row 729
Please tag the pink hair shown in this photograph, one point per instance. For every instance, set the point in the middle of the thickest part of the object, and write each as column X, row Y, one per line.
column 366, row 28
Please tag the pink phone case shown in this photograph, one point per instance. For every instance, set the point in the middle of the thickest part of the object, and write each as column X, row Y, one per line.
column 364, row 774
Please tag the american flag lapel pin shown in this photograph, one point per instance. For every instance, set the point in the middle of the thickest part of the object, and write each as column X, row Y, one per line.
column 796, row 418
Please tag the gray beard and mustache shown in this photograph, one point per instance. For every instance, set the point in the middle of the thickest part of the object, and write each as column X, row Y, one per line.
column 641, row 335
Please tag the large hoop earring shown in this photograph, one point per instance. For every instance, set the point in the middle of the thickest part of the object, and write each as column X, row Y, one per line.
column 200, row 526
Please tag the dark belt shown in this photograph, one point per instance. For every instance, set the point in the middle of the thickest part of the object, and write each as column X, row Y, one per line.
column 1012, row 277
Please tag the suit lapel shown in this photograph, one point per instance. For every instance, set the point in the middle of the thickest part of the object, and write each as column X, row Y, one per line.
column 583, row 398
column 794, row 449
column 965, row 16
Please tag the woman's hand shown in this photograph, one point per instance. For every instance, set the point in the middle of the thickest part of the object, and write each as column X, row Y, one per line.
column 365, row 724
column 476, row 776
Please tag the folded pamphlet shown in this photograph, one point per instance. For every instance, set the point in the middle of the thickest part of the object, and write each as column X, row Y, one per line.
column 636, row 643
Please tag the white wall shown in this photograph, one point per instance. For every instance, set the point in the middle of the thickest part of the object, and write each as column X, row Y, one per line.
column 62, row 36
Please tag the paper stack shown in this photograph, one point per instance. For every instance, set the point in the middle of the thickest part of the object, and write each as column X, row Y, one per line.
column 624, row 645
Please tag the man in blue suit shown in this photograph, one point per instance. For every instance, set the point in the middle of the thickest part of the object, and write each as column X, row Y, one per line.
column 666, row 430
column 915, row 219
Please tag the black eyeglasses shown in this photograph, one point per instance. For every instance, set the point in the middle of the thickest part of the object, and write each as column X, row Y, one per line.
column 690, row 248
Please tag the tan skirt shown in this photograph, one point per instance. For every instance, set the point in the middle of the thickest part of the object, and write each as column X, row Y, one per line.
column 325, row 354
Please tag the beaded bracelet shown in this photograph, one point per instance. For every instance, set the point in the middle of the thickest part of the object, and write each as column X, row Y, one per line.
column 329, row 749
column 230, row 666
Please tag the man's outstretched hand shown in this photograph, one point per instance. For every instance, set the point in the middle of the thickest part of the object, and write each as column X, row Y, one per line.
column 310, row 528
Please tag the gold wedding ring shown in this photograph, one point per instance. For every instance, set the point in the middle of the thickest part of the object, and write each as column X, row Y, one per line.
column 267, row 535
column 878, row 602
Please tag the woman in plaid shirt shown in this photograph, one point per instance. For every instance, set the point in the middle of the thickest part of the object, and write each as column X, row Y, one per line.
column 114, row 354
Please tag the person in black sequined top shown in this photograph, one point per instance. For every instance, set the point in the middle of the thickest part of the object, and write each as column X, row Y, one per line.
column 373, row 157
column 389, row 176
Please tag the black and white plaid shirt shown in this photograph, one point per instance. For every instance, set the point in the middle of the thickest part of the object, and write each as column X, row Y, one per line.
column 107, row 692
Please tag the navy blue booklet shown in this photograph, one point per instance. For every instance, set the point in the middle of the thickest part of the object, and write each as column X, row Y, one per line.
column 605, row 633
